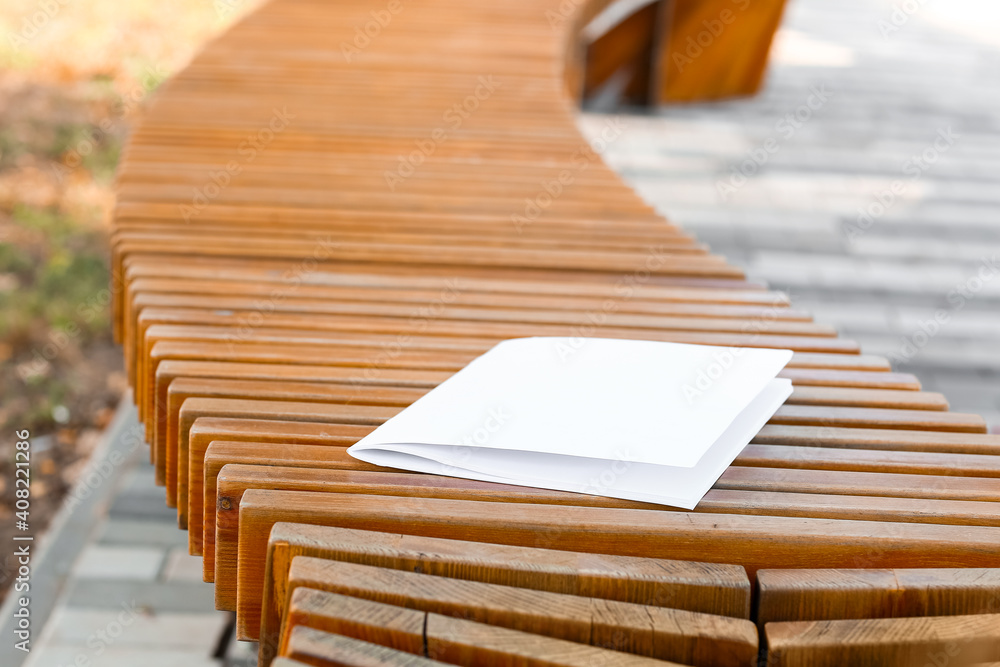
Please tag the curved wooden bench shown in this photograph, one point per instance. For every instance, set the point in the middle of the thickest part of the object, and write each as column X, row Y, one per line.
column 337, row 205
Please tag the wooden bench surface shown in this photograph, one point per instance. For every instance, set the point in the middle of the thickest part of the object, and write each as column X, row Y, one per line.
column 807, row 595
column 449, row 639
column 315, row 226
column 652, row 631
column 322, row 649
column 642, row 606
column 951, row 640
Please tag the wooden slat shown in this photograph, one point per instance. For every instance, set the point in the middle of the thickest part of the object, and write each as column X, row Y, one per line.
column 657, row 632
column 195, row 379
column 717, row 49
column 753, row 541
column 334, row 473
column 322, row 649
column 693, row 586
column 948, row 640
column 806, row 595
column 177, row 459
column 343, row 477
column 884, row 439
column 451, row 640
column 228, row 436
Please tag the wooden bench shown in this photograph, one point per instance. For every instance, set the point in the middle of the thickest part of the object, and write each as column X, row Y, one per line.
column 336, row 206
column 671, row 51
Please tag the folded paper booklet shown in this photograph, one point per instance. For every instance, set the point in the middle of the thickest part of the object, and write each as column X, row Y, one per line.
column 642, row 420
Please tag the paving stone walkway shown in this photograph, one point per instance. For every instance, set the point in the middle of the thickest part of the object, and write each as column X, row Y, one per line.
column 865, row 180
column 132, row 595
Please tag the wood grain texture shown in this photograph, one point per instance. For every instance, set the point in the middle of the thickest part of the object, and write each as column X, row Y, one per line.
column 205, row 430
column 450, row 640
column 667, row 634
column 880, row 439
column 767, row 475
column 692, row 586
column 322, row 649
column 344, row 474
column 805, row 595
column 751, row 541
column 334, row 471
column 231, row 434
column 947, row 640
column 224, row 453
column 167, row 430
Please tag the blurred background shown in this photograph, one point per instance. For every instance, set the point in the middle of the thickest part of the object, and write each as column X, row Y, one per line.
column 864, row 179
column 73, row 77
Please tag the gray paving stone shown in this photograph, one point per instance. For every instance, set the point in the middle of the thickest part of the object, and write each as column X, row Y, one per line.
column 181, row 566
column 972, row 394
column 151, row 533
column 968, row 358
column 241, row 654
column 72, row 529
column 131, row 562
column 133, row 626
column 68, row 656
column 160, row 597
column 142, row 501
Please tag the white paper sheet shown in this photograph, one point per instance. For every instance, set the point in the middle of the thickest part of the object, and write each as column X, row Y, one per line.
column 643, row 420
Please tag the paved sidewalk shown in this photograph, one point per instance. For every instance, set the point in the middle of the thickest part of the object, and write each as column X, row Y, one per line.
column 881, row 100
column 133, row 596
